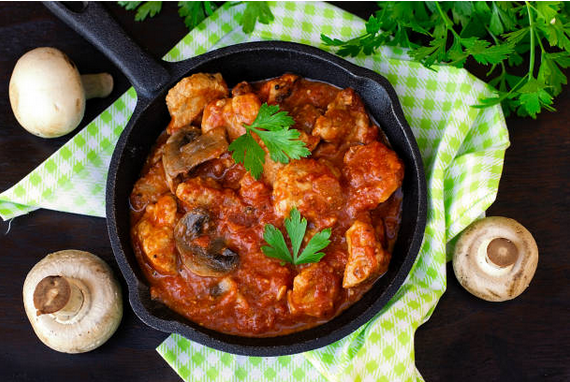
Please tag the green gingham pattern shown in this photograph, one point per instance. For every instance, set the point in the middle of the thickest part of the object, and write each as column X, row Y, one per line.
column 462, row 148
column 73, row 178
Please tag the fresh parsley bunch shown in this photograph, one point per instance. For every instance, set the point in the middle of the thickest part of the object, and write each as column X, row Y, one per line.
column 494, row 34
column 193, row 12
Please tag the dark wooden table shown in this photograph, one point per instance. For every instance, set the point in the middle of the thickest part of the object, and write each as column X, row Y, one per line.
column 466, row 339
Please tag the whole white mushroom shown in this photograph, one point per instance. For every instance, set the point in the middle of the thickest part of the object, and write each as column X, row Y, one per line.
column 73, row 301
column 495, row 258
column 48, row 95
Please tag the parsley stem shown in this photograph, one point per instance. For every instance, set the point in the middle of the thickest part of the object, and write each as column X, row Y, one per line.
column 531, row 27
column 497, row 42
column 448, row 22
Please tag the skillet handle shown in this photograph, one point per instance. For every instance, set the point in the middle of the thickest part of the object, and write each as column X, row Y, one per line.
column 93, row 22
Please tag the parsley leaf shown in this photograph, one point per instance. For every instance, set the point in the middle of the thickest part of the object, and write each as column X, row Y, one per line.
column 147, row 9
column 193, row 12
column 246, row 150
column 255, row 11
column 296, row 228
column 281, row 142
column 270, row 118
column 129, row 5
column 278, row 248
column 311, row 252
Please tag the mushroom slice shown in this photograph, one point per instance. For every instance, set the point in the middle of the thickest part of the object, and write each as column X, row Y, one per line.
column 495, row 258
column 73, row 301
column 200, row 253
column 188, row 147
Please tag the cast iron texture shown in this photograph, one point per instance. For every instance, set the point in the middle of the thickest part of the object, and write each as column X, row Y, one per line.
column 249, row 62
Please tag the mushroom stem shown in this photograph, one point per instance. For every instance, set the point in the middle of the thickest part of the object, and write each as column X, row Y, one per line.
column 502, row 252
column 97, row 85
column 59, row 296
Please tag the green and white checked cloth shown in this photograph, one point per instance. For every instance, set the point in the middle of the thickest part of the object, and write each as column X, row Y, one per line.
column 462, row 148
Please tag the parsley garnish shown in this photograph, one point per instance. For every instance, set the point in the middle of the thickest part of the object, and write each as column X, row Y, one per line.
column 147, row 9
column 281, row 142
column 194, row 12
column 255, row 11
column 295, row 227
column 494, row 34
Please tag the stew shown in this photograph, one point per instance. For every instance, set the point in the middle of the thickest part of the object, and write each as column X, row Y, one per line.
column 198, row 217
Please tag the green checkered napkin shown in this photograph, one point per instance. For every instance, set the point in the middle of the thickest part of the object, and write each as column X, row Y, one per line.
column 462, row 148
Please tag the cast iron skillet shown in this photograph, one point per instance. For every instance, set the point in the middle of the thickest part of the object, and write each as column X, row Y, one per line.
column 251, row 62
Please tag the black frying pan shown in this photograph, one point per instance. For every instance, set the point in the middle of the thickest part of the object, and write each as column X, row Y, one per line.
column 251, row 62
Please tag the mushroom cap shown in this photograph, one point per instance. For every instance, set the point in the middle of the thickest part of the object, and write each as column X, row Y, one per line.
column 100, row 313
column 495, row 258
column 215, row 260
column 46, row 93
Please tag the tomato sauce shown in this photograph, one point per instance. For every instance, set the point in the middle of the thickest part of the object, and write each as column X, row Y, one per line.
column 350, row 184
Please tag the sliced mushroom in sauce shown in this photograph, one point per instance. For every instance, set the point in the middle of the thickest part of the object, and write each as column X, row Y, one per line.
column 188, row 147
column 200, row 253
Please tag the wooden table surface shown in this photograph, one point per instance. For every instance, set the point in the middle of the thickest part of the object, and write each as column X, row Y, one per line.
column 466, row 339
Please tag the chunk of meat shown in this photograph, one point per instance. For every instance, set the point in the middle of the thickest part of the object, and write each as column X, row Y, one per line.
column 220, row 202
column 374, row 172
column 242, row 88
column 271, row 169
column 314, row 93
column 199, row 192
column 223, row 169
column 346, row 120
column 311, row 141
column 149, row 188
column 231, row 114
column 278, row 89
column 154, row 232
column 187, row 99
column 305, row 117
column 366, row 257
column 254, row 192
column 315, row 290
column 228, row 292
column 310, row 186
column 265, row 287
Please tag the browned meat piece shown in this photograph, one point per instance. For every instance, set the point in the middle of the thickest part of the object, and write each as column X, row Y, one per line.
column 220, row 202
column 187, row 99
column 346, row 120
column 374, row 172
column 278, row 89
column 310, row 186
column 315, row 290
column 199, row 192
column 242, row 88
column 270, row 169
column 149, row 188
column 154, row 232
column 231, row 114
column 305, row 117
column 316, row 94
column 366, row 257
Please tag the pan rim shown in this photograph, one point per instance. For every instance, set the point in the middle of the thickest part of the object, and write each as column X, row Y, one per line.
column 254, row 346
